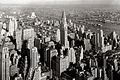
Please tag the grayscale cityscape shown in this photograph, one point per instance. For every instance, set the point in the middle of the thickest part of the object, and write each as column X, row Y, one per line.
column 59, row 39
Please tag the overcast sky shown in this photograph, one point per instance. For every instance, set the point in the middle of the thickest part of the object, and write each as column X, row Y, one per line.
column 60, row 1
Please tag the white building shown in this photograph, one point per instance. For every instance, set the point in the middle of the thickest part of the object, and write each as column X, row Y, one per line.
column 33, row 15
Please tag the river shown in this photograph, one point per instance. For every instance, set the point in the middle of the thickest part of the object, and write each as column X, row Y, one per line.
column 106, row 27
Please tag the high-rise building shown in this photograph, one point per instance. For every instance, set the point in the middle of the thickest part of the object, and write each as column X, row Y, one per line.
column 25, row 67
column 87, row 44
column 15, row 24
column 12, row 25
column 58, row 35
column 97, row 41
column 115, row 64
column 18, row 37
column 7, row 65
column 64, row 31
column 50, row 54
column 101, row 38
column 1, row 25
column 28, row 33
column 13, row 70
column 81, row 53
column 46, row 51
column 70, row 22
column 81, row 30
column 34, row 57
column 37, row 74
column 4, row 28
column 88, row 34
column 37, row 43
column 113, row 35
column 30, row 43
column 4, row 65
column 71, row 55
column 61, row 65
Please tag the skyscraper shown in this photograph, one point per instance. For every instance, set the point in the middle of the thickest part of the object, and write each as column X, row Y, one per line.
column 71, row 55
column 58, row 35
column 101, row 38
column 2, row 66
column 3, row 30
column 34, row 57
column 4, row 69
column 12, row 25
column 37, row 74
column 63, row 31
column 18, row 37
column 81, row 31
column 52, row 52
column 7, row 64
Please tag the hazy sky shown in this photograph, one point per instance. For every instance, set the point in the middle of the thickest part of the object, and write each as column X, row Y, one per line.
column 60, row 1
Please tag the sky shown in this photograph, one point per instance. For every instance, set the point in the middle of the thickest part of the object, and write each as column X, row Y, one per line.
column 60, row 2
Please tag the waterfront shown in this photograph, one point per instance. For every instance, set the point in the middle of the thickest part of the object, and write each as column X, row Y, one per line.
column 106, row 27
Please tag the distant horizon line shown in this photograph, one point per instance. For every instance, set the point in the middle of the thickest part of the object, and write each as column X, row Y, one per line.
column 56, row 4
column 110, row 6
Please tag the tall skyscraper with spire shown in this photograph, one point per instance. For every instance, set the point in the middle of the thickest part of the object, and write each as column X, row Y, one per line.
column 4, row 63
column 63, row 31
